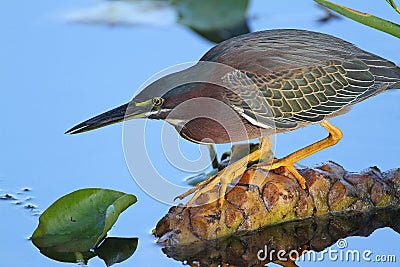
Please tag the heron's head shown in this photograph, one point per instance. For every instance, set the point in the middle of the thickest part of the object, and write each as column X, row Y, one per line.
column 155, row 101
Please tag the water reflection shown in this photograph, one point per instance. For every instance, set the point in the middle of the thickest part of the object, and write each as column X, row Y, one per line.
column 284, row 242
column 112, row 250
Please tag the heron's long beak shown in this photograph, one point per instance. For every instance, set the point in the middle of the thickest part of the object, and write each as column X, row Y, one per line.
column 124, row 112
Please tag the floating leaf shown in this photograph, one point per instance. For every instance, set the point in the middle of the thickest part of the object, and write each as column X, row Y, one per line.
column 130, row 13
column 77, row 222
column 364, row 18
column 216, row 20
column 115, row 249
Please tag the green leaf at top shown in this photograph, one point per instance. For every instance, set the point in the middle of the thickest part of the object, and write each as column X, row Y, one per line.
column 77, row 222
column 364, row 18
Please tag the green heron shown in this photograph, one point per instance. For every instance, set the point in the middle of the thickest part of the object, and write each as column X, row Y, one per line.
column 280, row 79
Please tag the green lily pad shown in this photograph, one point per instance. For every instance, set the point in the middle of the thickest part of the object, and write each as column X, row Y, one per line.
column 116, row 249
column 73, row 225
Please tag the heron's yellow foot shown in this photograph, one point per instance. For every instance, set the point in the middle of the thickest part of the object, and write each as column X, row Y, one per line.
column 277, row 163
column 226, row 176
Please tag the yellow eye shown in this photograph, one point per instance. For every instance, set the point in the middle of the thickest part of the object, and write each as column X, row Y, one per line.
column 157, row 101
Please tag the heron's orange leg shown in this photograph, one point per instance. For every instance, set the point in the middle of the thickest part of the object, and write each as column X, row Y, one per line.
column 226, row 176
column 335, row 134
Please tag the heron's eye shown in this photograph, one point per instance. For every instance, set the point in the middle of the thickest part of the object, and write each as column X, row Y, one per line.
column 157, row 101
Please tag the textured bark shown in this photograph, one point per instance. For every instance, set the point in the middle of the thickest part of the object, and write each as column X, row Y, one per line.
column 332, row 192
column 293, row 238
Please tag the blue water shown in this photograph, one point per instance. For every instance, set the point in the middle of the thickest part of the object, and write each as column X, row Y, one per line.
column 54, row 75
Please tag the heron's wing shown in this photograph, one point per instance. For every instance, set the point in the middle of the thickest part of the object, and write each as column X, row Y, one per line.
column 303, row 76
column 272, row 51
column 277, row 50
column 309, row 94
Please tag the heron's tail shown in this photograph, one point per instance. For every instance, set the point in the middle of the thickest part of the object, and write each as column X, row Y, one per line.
column 110, row 117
